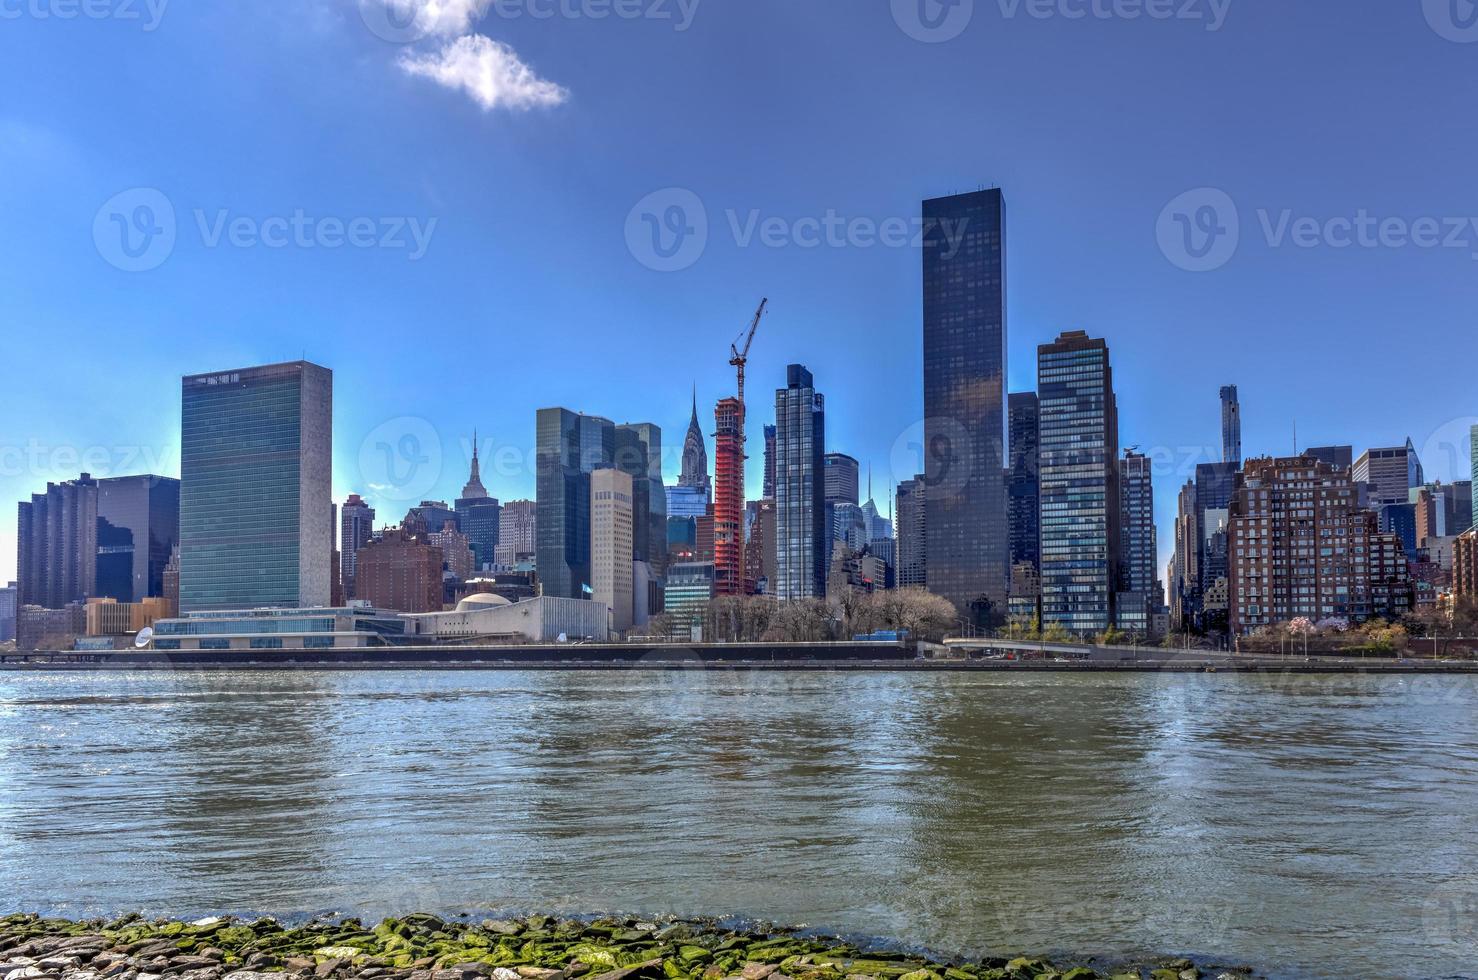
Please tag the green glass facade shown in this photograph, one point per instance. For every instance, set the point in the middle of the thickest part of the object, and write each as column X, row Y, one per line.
column 255, row 505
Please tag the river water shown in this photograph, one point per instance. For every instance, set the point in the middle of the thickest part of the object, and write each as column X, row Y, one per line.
column 1310, row 827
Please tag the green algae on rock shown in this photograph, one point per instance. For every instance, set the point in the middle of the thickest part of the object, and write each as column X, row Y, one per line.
column 423, row 946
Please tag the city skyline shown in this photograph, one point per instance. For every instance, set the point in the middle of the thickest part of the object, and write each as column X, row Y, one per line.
column 512, row 476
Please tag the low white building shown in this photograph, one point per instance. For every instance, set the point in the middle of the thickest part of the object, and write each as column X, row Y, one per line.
column 542, row 619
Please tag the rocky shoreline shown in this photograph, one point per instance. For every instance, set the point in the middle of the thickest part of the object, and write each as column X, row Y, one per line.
column 428, row 947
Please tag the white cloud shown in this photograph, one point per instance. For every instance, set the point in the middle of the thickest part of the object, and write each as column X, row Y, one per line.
column 442, row 18
column 490, row 73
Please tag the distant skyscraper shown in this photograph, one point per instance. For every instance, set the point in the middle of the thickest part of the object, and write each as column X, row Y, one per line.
column 356, row 527
column 1339, row 457
column 911, row 536
column 457, row 555
column 256, row 448
column 138, row 529
column 769, row 462
column 477, row 515
column 57, row 544
column 1231, row 426
column 570, row 447
column 8, row 610
column 1023, row 499
column 611, row 524
column 728, row 498
column 800, row 440
column 1390, row 474
column 843, row 473
column 695, row 457
column 639, row 453
column 759, row 547
column 1473, row 449
column 517, row 520
column 1140, row 594
column 1079, row 449
column 87, row 538
column 965, row 402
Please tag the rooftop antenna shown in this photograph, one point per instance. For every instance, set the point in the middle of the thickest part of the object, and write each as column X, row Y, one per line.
column 1295, row 437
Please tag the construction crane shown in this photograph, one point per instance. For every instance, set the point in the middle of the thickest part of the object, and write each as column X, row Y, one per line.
column 740, row 358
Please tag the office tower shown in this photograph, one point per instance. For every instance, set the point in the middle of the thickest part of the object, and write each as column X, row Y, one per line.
column 911, row 537
column 688, row 591
column 356, row 527
column 1390, row 474
column 171, row 580
column 1399, row 520
column 639, row 453
column 1077, row 471
column 611, row 523
column 759, row 547
column 8, row 610
column 428, row 516
column 1022, row 498
column 256, row 447
column 570, row 446
column 457, row 554
column 842, row 477
column 769, row 462
column 968, row 539
column 694, row 471
column 1140, row 593
column 1465, row 564
column 1231, row 426
column 1460, row 517
column 56, row 537
column 1215, row 485
column 1442, row 510
column 335, row 566
column 1302, row 545
column 1473, row 450
column 477, row 515
column 800, row 510
column 401, row 572
column 848, row 525
column 1339, row 457
column 138, row 528
column 728, row 498
column 517, row 520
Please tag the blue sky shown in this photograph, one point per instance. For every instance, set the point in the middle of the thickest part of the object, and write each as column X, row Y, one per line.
column 519, row 147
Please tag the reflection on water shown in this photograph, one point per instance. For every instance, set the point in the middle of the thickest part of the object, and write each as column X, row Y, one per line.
column 1311, row 826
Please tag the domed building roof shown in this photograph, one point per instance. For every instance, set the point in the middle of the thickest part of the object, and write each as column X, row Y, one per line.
column 481, row 600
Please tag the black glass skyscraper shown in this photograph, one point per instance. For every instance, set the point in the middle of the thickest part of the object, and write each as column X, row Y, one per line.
column 968, row 542
column 1023, row 498
column 570, row 447
column 800, row 505
column 138, row 527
